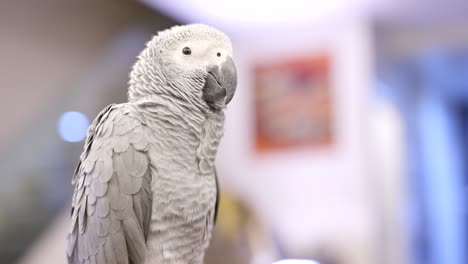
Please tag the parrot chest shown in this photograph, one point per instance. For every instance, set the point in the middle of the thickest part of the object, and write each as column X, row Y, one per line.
column 182, row 217
column 184, row 195
column 185, row 183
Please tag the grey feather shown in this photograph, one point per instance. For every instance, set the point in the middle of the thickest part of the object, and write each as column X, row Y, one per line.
column 112, row 202
column 133, row 234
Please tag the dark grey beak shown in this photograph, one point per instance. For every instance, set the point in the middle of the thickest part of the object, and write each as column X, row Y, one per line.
column 220, row 83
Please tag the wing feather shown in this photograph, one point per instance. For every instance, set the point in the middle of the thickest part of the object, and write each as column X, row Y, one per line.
column 111, row 207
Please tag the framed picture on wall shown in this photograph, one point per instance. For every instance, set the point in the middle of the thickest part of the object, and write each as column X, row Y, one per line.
column 293, row 104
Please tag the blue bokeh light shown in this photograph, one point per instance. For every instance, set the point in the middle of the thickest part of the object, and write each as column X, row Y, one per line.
column 296, row 261
column 72, row 126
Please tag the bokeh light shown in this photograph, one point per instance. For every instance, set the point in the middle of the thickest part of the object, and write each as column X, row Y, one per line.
column 72, row 126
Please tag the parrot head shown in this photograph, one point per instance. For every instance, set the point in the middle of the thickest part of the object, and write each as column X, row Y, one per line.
column 192, row 62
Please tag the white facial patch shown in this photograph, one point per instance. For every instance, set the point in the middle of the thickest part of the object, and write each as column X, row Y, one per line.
column 203, row 53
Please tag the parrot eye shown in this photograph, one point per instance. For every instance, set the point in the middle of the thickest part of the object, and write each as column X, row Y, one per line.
column 186, row 51
column 218, row 54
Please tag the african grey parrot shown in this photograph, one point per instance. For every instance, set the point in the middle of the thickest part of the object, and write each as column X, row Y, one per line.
column 145, row 187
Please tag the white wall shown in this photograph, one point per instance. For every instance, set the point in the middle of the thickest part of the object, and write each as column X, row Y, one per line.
column 315, row 195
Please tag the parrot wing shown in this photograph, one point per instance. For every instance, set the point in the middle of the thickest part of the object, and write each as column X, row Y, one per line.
column 111, row 208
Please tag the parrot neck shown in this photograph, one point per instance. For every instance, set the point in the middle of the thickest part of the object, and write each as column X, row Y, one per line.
column 210, row 136
column 148, row 79
column 203, row 129
column 162, row 106
column 145, row 83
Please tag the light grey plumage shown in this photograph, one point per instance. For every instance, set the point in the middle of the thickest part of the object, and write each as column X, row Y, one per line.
column 145, row 187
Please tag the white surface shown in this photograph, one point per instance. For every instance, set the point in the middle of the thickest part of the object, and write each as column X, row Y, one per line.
column 248, row 15
column 311, row 197
column 389, row 160
column 253, row 16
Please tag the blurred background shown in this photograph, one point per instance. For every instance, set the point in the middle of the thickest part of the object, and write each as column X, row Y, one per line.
column 346, row 142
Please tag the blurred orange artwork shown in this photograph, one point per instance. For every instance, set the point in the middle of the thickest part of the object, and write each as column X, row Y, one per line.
column 293, row 104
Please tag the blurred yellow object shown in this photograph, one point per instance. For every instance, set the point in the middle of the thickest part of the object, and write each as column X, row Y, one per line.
column 232, row 216
column 239, row 235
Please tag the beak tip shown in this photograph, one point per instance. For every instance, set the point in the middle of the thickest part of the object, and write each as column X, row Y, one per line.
column 229, row 73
